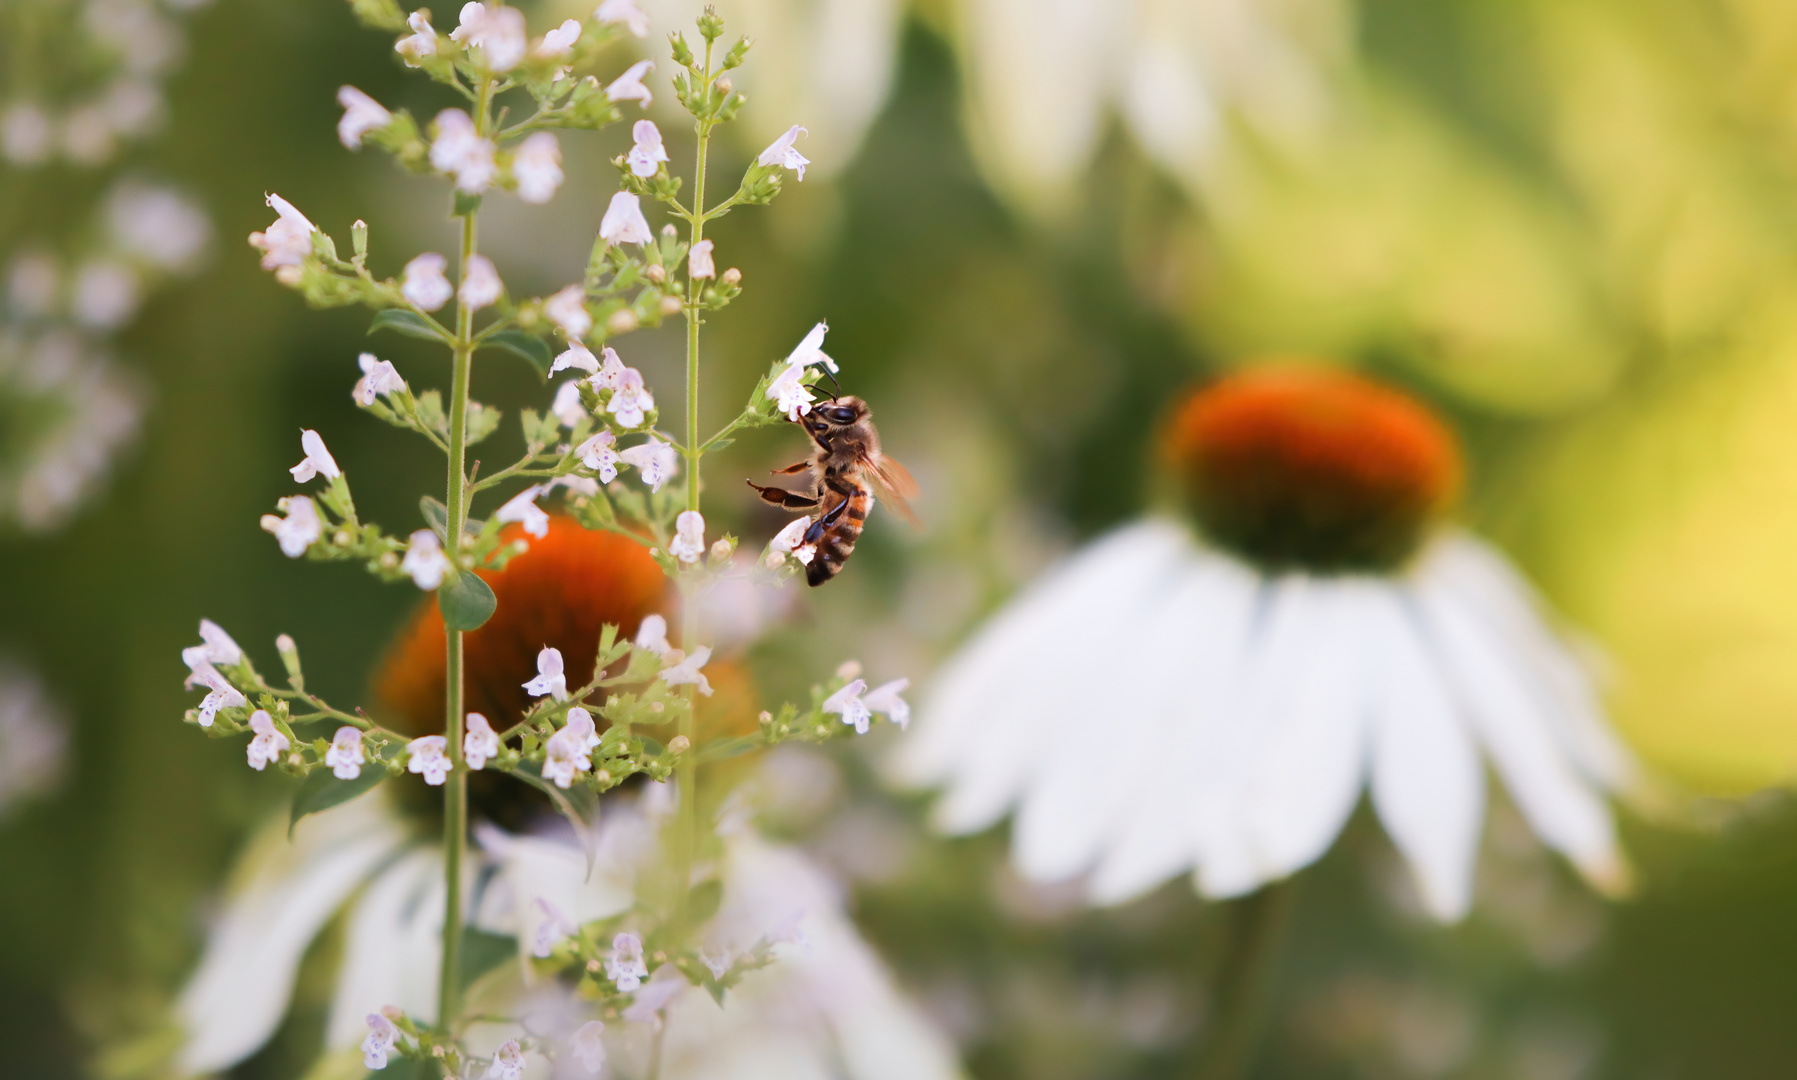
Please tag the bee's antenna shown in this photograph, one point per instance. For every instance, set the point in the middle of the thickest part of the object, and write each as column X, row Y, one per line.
column 828, row 374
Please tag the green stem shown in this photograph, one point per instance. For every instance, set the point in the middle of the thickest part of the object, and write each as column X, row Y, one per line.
column 1245, row 982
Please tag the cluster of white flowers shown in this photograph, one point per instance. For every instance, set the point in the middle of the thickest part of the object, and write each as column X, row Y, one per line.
column 570, row 750
column 787, row 390
column 85, row 409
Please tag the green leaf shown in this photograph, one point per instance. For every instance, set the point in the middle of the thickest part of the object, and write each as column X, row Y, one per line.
column 436, row 515
column 322, row 790
column 482, row 420
column 724, row 749
column 529, row 346
column 576, row 804
column 466, row 203
column 466, row 602
column 409, row 323
column 482, row 952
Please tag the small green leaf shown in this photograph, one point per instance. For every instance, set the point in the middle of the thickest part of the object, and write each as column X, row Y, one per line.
column 322, row 790
column 483, row 420
column 466, row 203
column 466, row 602
column 529, row 346
column 409, row 323
column 482, row 952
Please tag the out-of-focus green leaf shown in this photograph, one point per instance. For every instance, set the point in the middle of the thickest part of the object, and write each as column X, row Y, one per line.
column 322, row 790
column 530, row 347
column 409, row 323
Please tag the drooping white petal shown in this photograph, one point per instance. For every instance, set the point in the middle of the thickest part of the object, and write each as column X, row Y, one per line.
column 392, row 948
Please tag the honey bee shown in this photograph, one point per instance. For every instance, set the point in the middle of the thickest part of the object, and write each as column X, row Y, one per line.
column 845, row 469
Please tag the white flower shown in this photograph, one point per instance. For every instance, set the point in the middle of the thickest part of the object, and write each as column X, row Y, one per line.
column 157, row 225
column 345, row 755
column 652, row 635
column 480, row 742
column 790, row 541
column 567, row 407
column 647, row 153
column 288, row 241
column 430, row 758
column 361, row 115
column 611, row 375
column 568, row 310
column 219, row 695
column 624, row 222
column 424, row 283
column 552, row 928
column 631, row 399
column 317, row 460
column 579, row 485
column 652, row 999
column 597, row 454
column 378, row 377
column 789, row 392
column 217, row 645
column 105, row 295
column 379, row 1043
column 269, row 744
column 425, row 560
column 496, row 30
column 570, row 749
column 625, row 966
column 560, row 41
column 780, row 153
column 580, row 729
column 848, row 703
column 27, row 135
column 698, row 261
column 626, row 12
column 811, row 351
column 422, row 41
column 588, row 1047
column 299, row 529
column 461, row 152
column 629, row 86
column 549, row 680
column 687, row 673
column 537, row 167
column 480, row 284
column 578, row 356
column 508, row 1060
column 523, row 508
column 655, row 460
column 885, row 699
column 688, row 544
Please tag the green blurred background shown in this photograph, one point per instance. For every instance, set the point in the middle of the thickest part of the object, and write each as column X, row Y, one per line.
column 1572, row 227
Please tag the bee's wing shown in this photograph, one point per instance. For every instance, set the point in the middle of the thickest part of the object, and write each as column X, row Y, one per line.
column 894, row 486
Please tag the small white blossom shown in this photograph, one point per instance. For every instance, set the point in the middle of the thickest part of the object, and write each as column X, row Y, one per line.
column 631, row 399
column 553, row 928
column 550, row 680
column 569, row 751
column 589, row 1047
column 789, row 392
column 811, row 351
column 537, row 167
column 848, row 703
column 626, row 12
column 288, row 241
column 422, row 42
column 425, row 560
column 568, row 310
column 791, row 541
column 560, row 41
column 27, row 135
column 611, row 374
column 647, row 154
column 318, row 459
column 220, row 694
column 579, row 485
column 580, row 730
column 652, row 635
column 625, row 966
column 480, row 284
column 379, row 1043
column 508, row 1060
column 567, row 407
column 269, row 744
column 480, row 743
column 218, row 646
column 105, row 295
column 688, row 544
column 496, row 30
column 461, row 152
column 299, row 529
column 624, row 222
column 378, row 377
column 345, row 755
column 575, row 356
column 698, row 261
column 655, row 460
column 780, row 152
column 430, row 758
column 629, row 86
column 523, row 508
column 424, row 283
column 361, row 115
column 687, row 673
column 599, row 455
column 884, row 699
column 647, row 1006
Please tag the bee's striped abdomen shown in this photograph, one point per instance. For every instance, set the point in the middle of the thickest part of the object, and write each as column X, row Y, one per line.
column 838, row 539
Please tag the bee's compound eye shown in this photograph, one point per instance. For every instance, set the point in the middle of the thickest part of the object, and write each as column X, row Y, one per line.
column 840, row 414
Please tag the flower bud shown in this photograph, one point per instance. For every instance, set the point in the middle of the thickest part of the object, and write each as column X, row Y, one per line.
column 670, row 231
column 603, row 776
column 765, row 718
column 393, row 1012
column 621, row 322
column 341, row 538
column 656, row 707
column 732, row 276
column 290, row 276
column 679, row 744
column 389, row 561
column 850, row 669
column 670, row 305
column 358, row 235
column 721, row 549
column 289, row 658
column 656, row 273
column 725, row 86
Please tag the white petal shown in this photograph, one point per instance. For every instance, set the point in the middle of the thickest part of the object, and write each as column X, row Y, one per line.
column 393, row 949
column 1517, row 732
column 287, row 892
column 1154, row 839
column 1428, row 784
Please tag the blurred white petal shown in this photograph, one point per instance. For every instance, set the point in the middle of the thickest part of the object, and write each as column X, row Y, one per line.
column 393, row 949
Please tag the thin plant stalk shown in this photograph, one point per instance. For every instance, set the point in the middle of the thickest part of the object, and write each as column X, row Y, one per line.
column 1244, row 985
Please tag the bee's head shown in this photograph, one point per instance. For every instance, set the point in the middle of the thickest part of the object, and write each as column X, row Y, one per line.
column 838, row 413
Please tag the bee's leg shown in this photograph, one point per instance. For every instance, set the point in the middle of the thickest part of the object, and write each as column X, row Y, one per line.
column 791, row 470
column 824, row 521
column 791, row 500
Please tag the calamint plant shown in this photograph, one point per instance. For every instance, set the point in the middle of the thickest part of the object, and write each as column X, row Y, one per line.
column 635, row 715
